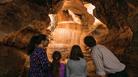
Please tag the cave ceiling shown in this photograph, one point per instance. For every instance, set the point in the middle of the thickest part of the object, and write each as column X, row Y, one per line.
column 20, row 19
column 21, row 13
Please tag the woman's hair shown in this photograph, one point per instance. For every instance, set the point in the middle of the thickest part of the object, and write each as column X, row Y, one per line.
column 89, row 41
column 76, row 53
column 35, row 41
column 56, row 64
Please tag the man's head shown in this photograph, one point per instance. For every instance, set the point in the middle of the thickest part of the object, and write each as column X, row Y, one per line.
column 89, row 41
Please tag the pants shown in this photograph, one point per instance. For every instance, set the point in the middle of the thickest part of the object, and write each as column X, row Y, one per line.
column 119, row 74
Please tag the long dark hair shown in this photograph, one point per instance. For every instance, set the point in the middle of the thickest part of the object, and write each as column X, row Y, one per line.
column 35, row 41
column 56, row 64
column 76, row 53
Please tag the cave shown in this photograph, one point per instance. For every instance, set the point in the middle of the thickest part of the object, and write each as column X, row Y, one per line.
column 112, row 22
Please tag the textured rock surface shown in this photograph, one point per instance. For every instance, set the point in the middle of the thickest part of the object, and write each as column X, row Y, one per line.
column 15, row 16
column 5, row 1
column 11, row 61
column 114, row 15
column 119, row 15
column 132, row 51
column 19, row 13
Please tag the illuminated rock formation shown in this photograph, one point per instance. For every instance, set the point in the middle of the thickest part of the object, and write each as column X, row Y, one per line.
column 117, row 20
column 72, row 25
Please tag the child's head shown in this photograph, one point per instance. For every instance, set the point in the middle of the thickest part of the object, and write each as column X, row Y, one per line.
column 56, row 55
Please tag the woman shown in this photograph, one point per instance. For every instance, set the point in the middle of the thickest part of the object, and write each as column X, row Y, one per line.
column 57, row 68
column 38, row 57
column 76, row 65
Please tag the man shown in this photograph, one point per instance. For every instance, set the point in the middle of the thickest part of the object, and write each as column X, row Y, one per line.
column 107, row 64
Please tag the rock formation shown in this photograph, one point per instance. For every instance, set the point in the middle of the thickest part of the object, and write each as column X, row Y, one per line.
column 20, row 19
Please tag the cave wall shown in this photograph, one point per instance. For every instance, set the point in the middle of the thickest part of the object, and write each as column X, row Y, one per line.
column 117, row 14
column 15, row 14
column 114, row 14
column 132, row 51
column 16, row 20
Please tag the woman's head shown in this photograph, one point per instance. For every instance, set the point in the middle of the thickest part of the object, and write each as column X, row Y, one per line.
column 89, row 41
column 36, row 40
column 76, row 53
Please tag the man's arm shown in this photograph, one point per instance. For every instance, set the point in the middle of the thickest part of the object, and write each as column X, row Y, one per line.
column 98, row 61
